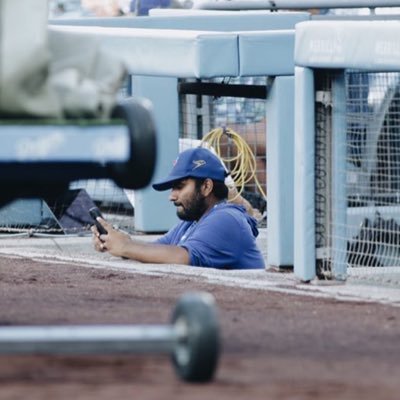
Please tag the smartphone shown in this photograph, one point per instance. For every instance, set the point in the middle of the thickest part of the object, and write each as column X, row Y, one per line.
column 94, row 213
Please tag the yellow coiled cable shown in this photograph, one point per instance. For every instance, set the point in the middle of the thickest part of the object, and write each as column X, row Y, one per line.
column 243, row 163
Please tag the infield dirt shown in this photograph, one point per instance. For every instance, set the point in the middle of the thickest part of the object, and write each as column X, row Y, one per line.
column 275, row 345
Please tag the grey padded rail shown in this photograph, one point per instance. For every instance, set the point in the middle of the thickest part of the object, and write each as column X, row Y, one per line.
column 288, row 4
column 218, row 21
column 369, row 45
column 157, row 52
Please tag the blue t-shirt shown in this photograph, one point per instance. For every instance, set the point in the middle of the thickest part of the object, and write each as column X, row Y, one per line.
column 223, row 238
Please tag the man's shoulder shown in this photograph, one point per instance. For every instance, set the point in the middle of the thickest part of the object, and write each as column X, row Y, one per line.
column 228, row 212
column 230, row 208
column 230, row 215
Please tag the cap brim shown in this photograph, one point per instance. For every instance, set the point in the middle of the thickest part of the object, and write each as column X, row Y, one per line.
column 167, row 183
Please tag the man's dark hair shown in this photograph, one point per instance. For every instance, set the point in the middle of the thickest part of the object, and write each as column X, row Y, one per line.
column 220, row 190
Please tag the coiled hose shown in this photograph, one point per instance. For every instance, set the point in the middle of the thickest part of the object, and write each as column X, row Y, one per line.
column 243, row 166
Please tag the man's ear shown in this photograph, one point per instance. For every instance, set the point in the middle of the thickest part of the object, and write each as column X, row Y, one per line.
column 207, row 186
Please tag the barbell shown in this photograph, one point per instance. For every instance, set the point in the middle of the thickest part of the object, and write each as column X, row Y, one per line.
column 192, row 338
column 41, row 157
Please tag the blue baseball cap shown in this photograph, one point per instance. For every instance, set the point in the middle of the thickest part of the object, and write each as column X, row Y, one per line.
column 194, row 163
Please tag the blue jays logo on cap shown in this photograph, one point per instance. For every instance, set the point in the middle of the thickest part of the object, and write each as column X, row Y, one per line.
column 198, row 163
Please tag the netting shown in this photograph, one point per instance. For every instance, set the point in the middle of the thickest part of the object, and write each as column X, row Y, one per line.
column 68, row 212
column 371, row 207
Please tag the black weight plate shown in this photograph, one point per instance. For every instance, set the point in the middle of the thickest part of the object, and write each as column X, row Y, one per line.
column 137, row 172
column 196, row 356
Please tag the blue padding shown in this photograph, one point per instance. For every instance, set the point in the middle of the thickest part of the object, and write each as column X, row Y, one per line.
column 153, row 211
column 266, row 53
column 154, row 52
column 370, row 45
column 304, row 177
column 238, row 21
column 280, row 170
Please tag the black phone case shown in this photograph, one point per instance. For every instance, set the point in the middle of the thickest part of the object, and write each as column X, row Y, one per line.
column 94, row 213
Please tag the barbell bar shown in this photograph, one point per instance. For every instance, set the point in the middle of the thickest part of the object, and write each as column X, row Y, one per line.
column 192, row 338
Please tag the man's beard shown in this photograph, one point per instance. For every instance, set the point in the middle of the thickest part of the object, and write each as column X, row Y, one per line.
column 194, row 209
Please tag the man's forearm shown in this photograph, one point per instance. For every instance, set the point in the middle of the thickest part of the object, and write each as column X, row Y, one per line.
column 155, row 253
column 120, row 244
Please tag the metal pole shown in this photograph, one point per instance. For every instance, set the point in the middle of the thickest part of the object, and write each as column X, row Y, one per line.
column 289, row 4
column 93, row 339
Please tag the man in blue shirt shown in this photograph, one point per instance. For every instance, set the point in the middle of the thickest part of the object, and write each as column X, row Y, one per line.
column 212, row 232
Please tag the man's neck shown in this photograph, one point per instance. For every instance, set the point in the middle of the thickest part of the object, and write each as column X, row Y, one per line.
column 213, row 202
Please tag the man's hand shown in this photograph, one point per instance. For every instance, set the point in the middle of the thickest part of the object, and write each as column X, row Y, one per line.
column 115, row 242
column 121, row 245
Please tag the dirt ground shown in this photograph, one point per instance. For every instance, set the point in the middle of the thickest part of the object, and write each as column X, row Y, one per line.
column 275, row 346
